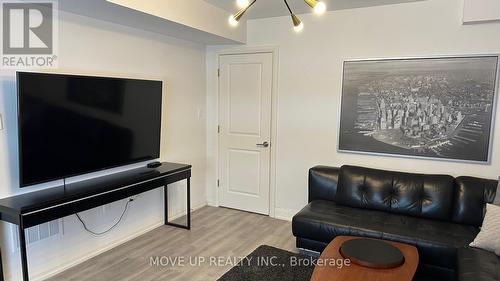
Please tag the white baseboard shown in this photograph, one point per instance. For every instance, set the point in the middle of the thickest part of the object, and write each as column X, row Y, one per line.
column 284, row 214
column 181, row 213
column 96, row 253
column 134, row 235
column 212, row 204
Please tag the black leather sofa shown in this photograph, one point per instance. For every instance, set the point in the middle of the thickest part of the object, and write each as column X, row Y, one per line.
column 439, row 214
column 477, row 265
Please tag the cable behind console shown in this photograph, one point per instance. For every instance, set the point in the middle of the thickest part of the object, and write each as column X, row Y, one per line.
column 111, row 228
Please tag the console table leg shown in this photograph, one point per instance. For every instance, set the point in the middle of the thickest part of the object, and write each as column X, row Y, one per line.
column 22, row 249
column 188, row 223
column 188, row 203
column 165, row 199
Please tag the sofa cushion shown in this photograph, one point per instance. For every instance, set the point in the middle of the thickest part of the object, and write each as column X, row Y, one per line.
column 323, row 183
column 489, row 237
column 436, row 241
column 428, row 196
column 471, row 197
column 477, row 265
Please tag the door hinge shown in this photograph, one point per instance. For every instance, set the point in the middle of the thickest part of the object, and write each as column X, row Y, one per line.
column 218, row 129
column 218, row 72
column 218, row 183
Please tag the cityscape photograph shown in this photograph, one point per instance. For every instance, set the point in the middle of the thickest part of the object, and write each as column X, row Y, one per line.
column 435, row 107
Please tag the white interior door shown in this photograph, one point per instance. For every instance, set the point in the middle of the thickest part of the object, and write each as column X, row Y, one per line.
column 245, row 91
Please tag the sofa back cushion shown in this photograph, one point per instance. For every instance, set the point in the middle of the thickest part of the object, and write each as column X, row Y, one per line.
column 470, row 200
column 428, row 196
column 323, row 183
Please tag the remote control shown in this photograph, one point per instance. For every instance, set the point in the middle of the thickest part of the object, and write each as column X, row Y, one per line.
column 154, row 164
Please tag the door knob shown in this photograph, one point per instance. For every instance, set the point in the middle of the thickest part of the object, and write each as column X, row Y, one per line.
column 264, row 144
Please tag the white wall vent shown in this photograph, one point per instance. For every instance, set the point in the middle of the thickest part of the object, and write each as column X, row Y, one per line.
column 37, row 233
column 42, row 231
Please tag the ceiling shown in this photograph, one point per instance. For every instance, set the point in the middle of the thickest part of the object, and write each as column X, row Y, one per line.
column 107, row 11
column 275, row 8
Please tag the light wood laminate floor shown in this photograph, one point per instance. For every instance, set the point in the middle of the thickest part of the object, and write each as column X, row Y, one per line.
column 216, row 232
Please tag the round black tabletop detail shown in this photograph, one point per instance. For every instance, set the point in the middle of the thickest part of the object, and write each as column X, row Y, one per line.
column 372, row 253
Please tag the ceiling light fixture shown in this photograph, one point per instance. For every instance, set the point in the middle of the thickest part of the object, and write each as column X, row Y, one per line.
column 297, row 23
column 242, row 3
column 318, row 7
column 234, row 19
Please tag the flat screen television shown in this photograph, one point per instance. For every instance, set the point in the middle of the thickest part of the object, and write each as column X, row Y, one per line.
column 71, row 125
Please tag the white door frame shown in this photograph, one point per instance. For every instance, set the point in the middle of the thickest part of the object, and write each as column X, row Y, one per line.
column 274, row 50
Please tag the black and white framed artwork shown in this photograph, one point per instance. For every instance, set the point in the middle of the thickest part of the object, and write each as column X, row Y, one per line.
column 419, row 107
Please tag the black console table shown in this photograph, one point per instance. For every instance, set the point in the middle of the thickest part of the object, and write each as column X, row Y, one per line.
column 38, row 207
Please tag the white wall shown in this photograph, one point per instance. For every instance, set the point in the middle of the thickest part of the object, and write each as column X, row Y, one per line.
column 481, row 11
column 94, row 47
column 310, row 70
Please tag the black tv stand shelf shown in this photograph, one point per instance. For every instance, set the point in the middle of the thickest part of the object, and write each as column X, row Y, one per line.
column 38, row 207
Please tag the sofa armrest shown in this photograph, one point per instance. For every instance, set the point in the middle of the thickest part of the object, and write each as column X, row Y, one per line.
column 477, row 265
column 323, row 183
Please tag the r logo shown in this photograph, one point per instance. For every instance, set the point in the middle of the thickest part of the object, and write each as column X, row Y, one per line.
column 27, row 28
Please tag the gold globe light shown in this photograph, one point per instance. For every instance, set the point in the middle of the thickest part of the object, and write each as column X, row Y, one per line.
column 234, row 19
column 242, row 3
column 318, row 6
column 297, row 23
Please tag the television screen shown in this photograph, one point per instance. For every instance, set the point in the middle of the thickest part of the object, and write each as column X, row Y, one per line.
column 71, row 125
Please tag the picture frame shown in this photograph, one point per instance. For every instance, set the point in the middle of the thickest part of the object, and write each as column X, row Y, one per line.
column 440, row 108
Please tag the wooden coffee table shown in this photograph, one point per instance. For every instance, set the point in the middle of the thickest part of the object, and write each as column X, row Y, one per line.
column 355, row 272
